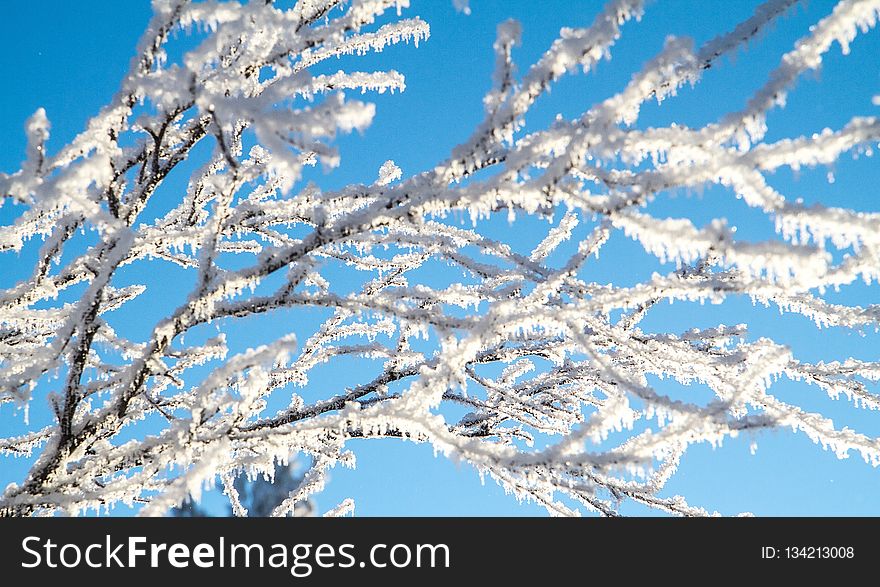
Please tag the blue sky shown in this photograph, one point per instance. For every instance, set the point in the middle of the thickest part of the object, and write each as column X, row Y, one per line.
column 69, row 58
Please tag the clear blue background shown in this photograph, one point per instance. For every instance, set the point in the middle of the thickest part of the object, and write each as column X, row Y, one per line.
column 69, row 57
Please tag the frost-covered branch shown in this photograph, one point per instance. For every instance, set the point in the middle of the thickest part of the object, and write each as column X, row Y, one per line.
column 552, row 369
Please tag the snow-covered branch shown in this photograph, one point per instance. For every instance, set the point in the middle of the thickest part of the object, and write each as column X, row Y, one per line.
column 551, row 369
